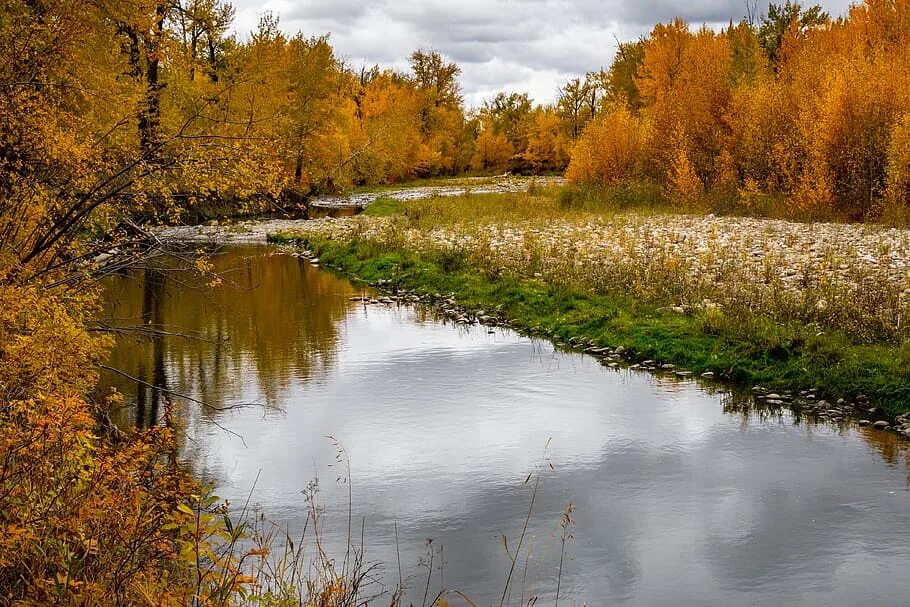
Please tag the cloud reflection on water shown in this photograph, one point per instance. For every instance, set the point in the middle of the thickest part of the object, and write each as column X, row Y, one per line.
column 678, row 502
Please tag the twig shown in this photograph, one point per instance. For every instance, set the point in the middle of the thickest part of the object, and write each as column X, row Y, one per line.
column 524, row 529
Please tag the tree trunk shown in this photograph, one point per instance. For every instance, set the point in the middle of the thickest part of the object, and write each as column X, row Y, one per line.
column 150, row 112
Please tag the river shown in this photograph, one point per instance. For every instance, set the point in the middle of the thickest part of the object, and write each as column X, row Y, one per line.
column 683, row 494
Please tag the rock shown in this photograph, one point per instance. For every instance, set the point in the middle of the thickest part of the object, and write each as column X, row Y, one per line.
column 881, row 424
column 668, row 367
column 864, row 422
column 683, row 373
column 708, row 374
column 315, row 261
column 619, row 350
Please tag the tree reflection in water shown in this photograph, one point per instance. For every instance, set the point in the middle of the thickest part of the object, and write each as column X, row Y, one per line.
column 273, row 318
column 275, row 321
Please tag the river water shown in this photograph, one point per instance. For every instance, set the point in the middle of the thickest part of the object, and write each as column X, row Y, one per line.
column 682, row 496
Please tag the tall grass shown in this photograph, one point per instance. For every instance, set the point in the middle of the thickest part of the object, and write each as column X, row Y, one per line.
column 738, row 268
column 242, row 559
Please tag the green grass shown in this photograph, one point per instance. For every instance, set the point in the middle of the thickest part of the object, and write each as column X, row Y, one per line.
column 383, row 207
column 750, row 339
column 747, row 350
column 638, row 195
column 464, row 179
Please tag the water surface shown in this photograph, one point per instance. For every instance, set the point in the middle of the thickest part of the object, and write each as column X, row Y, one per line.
column 680, row 497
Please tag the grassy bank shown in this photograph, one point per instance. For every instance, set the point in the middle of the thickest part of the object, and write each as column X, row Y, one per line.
column 653, row 303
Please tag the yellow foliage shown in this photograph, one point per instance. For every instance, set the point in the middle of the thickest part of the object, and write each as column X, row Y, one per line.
column 684, row 184
column 899, row 164
column 546, row 149
column 610, row 150
column 822, row 120
column 492, row 151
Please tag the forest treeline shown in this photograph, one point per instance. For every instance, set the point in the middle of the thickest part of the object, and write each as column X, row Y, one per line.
column 116, row 112
column 163, row 106
column 159, row 105
column 795, row 104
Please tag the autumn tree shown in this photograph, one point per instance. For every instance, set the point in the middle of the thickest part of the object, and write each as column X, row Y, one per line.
column 546, row 150
column 442, row 115
column 492, row 150
column 436, row 78
column 388, row 143
column 619, row 81
column 571, row 101
column 785, row 20
column 612, row 150
column 202, row 26
column 798, row 105
column 314, row 84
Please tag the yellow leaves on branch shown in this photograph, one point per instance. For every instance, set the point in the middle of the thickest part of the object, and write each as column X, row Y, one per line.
column 44, row 344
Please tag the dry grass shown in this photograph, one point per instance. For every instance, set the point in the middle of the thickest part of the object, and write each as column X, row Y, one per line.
column 850, row 278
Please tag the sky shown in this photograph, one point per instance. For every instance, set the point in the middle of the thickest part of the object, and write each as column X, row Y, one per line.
column 531, row 46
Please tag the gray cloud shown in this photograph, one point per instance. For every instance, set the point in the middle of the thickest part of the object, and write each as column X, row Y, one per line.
column 527, row 45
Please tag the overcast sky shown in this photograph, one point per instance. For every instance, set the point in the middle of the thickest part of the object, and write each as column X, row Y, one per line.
column 530, row 46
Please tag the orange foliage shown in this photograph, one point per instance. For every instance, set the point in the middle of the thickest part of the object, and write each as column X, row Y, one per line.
column 899, row 163
column 610, row 150
column 546, row 144
column 492, row 151
column 81, row 518
column 684, row 185
column 819, row 117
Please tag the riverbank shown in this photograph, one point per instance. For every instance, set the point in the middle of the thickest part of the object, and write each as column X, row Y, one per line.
column 810, row 313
